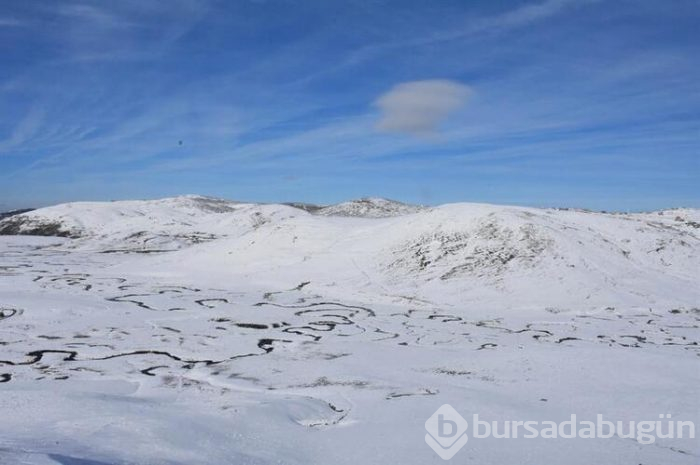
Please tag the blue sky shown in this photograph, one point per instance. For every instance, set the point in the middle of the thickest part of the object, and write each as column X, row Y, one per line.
column 545, row 102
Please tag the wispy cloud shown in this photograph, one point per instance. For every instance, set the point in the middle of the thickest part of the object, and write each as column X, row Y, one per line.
column 10, row 22
column 94, row 16
column 513, row 19
column 524, row 15
column 23, row 132
column 520, row 17
column 125, row 30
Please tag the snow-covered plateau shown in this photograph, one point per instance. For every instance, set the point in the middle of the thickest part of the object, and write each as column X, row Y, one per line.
column 194, row 330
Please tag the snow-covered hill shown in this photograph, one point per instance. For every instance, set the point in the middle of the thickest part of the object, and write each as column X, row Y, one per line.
column 200, row 331
column 172, row 223
column 369, row 208
column 10, row 213
column 456, row 251
column 144, row 225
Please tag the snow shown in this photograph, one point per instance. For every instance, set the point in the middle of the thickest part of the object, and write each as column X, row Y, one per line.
column 370, row 207
column 193, row 330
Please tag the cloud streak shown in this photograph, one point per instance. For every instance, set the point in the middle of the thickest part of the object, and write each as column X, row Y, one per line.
column 24, row 131
column 9, row 22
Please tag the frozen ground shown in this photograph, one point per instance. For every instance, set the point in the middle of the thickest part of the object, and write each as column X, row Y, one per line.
column 199, row 331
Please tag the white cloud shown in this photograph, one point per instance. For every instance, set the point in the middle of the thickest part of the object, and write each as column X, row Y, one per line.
column 419, row 107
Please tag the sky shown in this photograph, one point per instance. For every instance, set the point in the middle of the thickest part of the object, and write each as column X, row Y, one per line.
column 591, row 104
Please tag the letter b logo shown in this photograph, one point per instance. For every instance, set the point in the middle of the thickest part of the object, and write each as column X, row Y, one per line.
column 446, row 432
column 443, row 430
